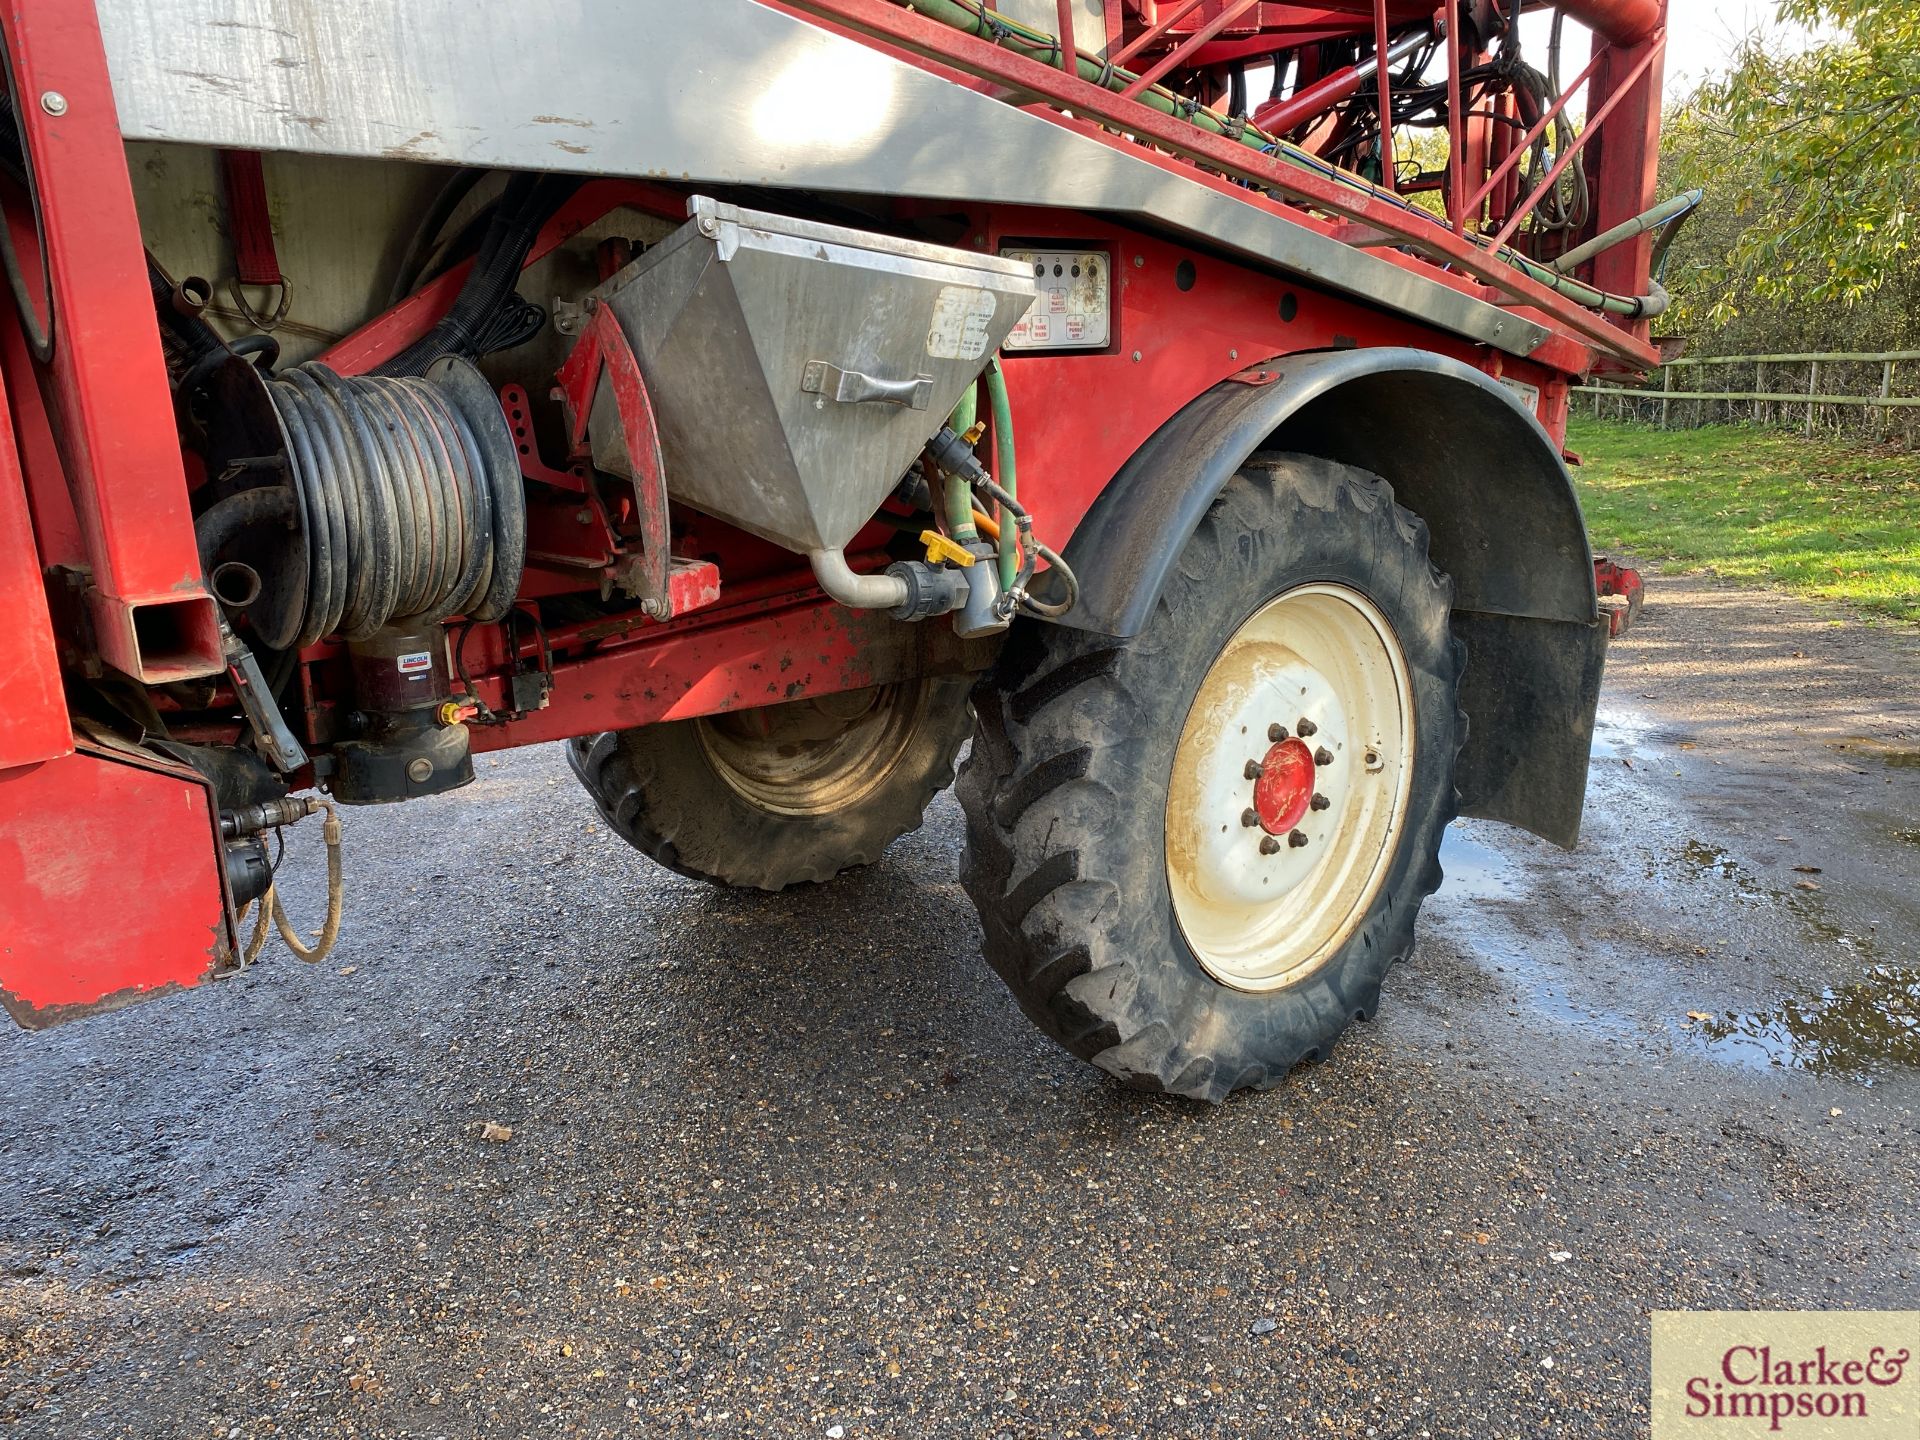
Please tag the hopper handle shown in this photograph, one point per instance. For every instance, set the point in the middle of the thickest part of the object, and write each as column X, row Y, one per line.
column 850, row 387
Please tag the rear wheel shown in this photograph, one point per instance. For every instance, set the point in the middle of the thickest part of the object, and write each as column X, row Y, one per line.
column 783, row 794
column 1197, row 853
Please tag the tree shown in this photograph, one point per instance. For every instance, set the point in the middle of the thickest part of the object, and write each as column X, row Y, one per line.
column 1821, row 153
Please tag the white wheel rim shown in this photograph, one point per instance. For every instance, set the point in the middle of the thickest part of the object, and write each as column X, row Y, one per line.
column 1262, row 916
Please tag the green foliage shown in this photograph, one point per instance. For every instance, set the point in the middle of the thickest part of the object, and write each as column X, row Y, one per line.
column 1757, row 506
column 1810, row 163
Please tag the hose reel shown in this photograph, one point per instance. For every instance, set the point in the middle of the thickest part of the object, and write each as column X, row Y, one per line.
column 372, row 508
column 406, row 498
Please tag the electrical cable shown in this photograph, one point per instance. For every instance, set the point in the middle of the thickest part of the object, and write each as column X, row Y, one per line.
column 523, row 208
column 406, row 276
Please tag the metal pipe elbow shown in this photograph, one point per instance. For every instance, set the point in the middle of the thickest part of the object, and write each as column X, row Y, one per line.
column 862, row 592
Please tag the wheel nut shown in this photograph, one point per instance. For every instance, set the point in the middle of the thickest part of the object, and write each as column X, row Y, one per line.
column 1255, row 770
column 1276, row 733
column 1249, row 817
column 1319, row 801
column 1323, row 756
column 1269, row 845
column 1296, row 838
column 1306, row 727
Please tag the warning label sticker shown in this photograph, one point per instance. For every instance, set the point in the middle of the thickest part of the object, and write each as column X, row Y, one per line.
column 960, row 319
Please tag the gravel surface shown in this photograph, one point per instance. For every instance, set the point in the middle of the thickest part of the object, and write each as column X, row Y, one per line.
column 796, row 1165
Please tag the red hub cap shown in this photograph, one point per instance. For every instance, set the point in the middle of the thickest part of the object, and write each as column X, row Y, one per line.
column 1285, row 787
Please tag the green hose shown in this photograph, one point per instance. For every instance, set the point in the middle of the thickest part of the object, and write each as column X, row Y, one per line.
column 1002, row 411
column 957, row 497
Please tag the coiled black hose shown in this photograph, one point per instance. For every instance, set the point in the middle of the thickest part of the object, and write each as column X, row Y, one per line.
column 408, row 492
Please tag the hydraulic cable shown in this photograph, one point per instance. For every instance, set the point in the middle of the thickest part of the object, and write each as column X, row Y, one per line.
column 466, row 329
column 406, row 276
column 271, row 910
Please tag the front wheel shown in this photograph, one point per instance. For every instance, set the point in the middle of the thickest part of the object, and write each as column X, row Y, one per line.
column 1196, row 853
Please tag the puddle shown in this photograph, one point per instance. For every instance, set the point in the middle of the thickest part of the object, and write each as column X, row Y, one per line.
column 1865, row 1024
column 1854, row 1027
column 1697, row 860
column 1872, row 749
column 1629, row 735
column 1473, row 871
column 1619, row 734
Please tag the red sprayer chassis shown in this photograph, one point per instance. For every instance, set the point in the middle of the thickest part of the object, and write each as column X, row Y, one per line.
column 729, row 390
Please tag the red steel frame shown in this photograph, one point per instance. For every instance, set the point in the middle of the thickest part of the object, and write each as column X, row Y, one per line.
column 108, row 504
column 1473, row 269
column 152, row 617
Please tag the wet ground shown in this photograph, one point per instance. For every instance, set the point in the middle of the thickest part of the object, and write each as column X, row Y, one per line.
column 796, row 1165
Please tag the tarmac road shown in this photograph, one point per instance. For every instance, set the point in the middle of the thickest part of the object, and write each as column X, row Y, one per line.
column 796, row 1166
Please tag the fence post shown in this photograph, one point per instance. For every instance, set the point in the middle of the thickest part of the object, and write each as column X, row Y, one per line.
column 1886, row 391
column 1813, row 387
column 1762, row 409
column 1666, row 386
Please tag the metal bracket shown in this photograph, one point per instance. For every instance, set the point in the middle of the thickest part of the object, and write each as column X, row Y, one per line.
column 602, row 366
column 851, row 387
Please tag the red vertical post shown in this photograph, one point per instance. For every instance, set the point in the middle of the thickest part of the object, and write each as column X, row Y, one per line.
column 1456, row 126
column 1383, row 88
column 105, row 379
column 1503, row 193
column 1623, row 159
column 1069, row 54
column 36, row 726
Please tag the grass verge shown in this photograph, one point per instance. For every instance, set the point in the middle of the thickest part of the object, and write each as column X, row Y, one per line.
column 1758, row 506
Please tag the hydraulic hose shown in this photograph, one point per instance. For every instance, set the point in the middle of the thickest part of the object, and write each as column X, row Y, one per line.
column 1001, row 408
column 1032, row 552
column 272, row 909
column 462, row 331
column 410, row 500
column 1661, row 214
column 406, row 275
column 221, row 522
column 953, row 495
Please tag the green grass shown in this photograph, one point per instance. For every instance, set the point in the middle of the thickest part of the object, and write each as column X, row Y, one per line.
column 1758, row 506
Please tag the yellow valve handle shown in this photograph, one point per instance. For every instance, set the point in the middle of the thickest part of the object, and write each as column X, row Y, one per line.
column 939, row 548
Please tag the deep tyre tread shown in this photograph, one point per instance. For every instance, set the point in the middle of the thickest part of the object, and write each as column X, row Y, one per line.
column 1065, row 792
column 658, row 791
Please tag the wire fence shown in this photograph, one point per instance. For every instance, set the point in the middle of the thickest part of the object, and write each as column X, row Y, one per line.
column 1873, row 396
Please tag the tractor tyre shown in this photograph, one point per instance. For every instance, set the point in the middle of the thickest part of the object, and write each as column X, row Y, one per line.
column 1196, row 853
column 784, row 794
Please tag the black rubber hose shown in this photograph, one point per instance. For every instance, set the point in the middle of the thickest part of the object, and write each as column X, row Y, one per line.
column 409, row 494
column 227, row 518
column 265, row 346
column 406, row 276
column 523, row 209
